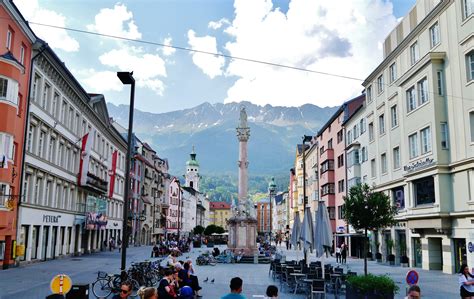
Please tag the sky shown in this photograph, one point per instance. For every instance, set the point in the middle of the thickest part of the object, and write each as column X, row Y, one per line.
column 333, row 36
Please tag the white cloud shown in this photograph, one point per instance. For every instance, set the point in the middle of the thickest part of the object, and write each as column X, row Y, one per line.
column 117, row 21
column 317, row 35
column 168, row 51
column 56, row 38
column 209, row 64
column 216, row 25
column 99, row 81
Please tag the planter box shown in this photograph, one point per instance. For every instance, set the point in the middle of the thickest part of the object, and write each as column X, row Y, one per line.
column 352, row 293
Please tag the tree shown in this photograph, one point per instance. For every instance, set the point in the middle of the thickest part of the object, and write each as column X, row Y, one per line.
column 220, row 230
column 198, row 230
column 367, row 210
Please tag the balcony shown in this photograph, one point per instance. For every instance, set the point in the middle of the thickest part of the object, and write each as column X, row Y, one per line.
column 327, row 176
column 96, row 183
column 328, row 154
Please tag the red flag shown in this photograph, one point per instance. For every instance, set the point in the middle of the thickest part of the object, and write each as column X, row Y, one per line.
column 112, row 170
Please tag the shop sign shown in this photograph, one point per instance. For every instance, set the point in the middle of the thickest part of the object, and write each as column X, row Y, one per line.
column 340, row 229
column 96, row 213
column 51, row 218
column 418, row 165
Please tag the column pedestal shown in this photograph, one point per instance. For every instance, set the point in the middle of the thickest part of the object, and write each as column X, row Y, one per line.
column 242, row 235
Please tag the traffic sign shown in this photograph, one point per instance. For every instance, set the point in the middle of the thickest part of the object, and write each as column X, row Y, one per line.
column 412, row 277
column 61, row 284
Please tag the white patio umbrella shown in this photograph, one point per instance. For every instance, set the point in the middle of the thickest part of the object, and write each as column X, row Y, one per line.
column 322, row 232
column 307, row 232
column 295, row 233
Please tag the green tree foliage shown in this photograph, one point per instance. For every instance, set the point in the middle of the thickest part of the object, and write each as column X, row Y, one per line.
column 212, row 228
column 367, row 210
column 198, row 230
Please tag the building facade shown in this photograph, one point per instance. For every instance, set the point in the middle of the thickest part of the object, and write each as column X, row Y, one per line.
column 15, row 65
column 173, row 217
column 263, row 216
column 73, row 181
column 220, row 212
column 421, row 121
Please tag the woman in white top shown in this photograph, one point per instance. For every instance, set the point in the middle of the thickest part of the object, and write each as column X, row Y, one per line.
column 466, row 283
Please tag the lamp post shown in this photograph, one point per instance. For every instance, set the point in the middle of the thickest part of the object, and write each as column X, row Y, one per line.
column 306, row 138
column 271, row 194
column 127, row 79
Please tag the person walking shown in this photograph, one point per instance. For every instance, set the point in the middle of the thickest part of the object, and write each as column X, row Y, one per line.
column 338, row 254
column 414, row 292
column 466, row 283
column 235, row 289
column 343, row 253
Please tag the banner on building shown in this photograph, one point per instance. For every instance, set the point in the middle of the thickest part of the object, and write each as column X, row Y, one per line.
column 96, row 213
column 87, row 142
column 112, row 170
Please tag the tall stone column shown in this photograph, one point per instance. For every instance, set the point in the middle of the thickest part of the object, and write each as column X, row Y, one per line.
column 243, row 135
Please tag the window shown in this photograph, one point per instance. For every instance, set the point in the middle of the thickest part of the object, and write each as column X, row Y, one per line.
column 364, row 154
column 340, row 212
column 9, row 90
column 371, row 132
column 22, row 54
column 54, row 105
column 383, row 163
column 37, row 194
column 393, row 72
column 434, row 35
column 471, row 119
column 470, row 65
column 327, row 165
column 41, row 141
column 468, row 8
column 398, row 195
column 423, row 91
column 414, row 53
column 340, row 136
column 425, row 140
column 52, row 149
column 4, row 193
column 34, row 90
column 444, row 135
column 30, row 144
column 373, row 169
column 340, row 161
column 413, row 145
column 327, row 189
column 393, row 113
column 26, row 189
column 440, row 80
column 71, row 119
column 381, row 124
column 349, row 137
column 46, row 92
column 424, row 191
column 353, row 158
column 330, row 143
column 340, row 186
column 380, row 84
column 355, row 130
column 63, row 111
column 369, row 94
column 9, row 39
column 353, row 182
column 6, row 147
column 396, row 157
column 332, row 213
column 411, row 99
column 362, row 126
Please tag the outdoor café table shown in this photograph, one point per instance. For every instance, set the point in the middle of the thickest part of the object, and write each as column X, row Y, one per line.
column 298, row 277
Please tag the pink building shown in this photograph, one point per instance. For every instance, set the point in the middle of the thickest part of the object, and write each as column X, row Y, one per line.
column 173, row 216
column 332, row 170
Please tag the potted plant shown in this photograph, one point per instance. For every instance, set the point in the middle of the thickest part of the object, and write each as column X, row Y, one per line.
column 378, row 255
column 390, row 256
column 371, row 287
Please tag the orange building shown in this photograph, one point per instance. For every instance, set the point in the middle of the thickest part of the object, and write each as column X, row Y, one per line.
column 263, row 216
column 220, row 212
column 16, row 40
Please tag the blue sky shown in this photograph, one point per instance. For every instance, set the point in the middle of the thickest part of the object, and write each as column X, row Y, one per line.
column 340, row 37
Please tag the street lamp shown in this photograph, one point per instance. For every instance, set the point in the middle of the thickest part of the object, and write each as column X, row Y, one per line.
column 127, row 79
column 306, row 138
column 271, row 194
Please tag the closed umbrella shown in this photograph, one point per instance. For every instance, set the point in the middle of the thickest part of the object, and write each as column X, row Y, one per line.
column 307, row 231
column 322, row 232
column 295, row 233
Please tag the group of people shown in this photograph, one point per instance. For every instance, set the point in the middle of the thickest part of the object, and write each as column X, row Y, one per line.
column 236, row 287
column 170, row 245
column 341, row 253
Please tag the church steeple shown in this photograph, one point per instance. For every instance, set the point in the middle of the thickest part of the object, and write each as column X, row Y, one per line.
column 192, row 171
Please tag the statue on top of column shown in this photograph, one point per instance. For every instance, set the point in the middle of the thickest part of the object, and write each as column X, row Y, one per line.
column 243, row 117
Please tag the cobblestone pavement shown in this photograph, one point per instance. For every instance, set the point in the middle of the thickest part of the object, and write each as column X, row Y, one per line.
column 32, row 281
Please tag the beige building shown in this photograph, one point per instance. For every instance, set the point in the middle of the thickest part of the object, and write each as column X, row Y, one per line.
column 419, row 144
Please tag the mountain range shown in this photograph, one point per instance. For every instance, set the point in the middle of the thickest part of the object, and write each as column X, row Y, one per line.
column 210, row 128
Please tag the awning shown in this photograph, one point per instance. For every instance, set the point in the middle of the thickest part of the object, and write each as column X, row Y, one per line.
column 349, row 235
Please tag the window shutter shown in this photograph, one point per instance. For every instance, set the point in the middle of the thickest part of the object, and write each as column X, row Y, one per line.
column 12, row 91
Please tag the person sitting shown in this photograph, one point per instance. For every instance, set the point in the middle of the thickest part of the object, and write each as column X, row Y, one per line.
column 125, row 290
column 216, row 252
column 235, row 289
column 186, row 292
column 165, row 287
column 147, row 293
column 272, row 291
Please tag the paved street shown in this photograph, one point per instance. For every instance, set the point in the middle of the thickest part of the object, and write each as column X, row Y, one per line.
column 32, row 281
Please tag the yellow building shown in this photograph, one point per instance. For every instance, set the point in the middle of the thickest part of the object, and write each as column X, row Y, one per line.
column 220, row 212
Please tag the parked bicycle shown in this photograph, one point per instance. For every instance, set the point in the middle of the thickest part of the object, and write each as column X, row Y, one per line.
column 206, row 259
column 107, row 284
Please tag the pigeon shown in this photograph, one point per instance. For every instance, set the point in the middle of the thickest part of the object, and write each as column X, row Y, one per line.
column 205, row 280
column 212, row 281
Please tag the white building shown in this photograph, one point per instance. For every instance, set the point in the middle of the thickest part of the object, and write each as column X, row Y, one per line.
column 54, row 209
column 419, row 116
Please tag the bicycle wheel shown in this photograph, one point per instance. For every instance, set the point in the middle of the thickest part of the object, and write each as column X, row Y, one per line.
column 101, row 288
